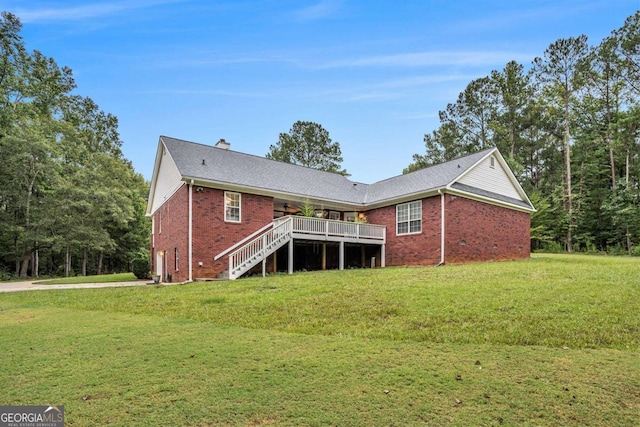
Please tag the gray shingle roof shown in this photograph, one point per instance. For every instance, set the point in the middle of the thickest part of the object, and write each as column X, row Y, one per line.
column 211, row 164
column 490, row 195
column 231, row 167
column 431, row 178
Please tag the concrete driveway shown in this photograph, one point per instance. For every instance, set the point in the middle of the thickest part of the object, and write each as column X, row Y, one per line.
column 30, row 286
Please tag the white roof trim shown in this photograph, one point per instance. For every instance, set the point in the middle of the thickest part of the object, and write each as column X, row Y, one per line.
column 334, row 203
column 153, row 188
column 505, row 166
column 490, row 200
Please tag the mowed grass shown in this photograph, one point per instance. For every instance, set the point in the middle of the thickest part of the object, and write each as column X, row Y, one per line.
column 101, row 278
column 553, row 340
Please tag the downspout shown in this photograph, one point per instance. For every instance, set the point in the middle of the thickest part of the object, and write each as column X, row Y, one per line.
column 442, row 228
column 190, row 244
column 153, row 260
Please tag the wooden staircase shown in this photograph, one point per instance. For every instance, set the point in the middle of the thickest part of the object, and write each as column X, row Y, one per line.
column 257, row 250
column 282, row 230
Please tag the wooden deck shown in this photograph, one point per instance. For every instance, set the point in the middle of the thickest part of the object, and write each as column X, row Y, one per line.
column 285, row 230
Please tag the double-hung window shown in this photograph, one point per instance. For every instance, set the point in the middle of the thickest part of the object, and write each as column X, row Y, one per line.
column 409, row 218
column 231, row 206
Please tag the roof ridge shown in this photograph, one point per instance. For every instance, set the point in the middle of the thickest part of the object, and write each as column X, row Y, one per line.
column 328, row 172
column 436, row 165
column 250, row 171
column 262, row 158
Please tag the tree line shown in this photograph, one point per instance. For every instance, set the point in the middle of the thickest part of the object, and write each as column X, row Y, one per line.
column 70, row 203
column 568, row 125
column 569, row 128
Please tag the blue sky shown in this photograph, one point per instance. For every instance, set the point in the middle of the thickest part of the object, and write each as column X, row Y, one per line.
column 373, row 73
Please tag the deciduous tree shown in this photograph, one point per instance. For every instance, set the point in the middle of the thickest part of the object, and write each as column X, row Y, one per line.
column 66, row 192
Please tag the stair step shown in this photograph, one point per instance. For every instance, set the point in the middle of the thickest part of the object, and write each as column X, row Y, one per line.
column 277, row 241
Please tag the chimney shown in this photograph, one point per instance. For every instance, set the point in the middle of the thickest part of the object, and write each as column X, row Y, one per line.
column 223, row 144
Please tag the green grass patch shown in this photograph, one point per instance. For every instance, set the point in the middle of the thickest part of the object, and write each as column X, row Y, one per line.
column 549, row 341
column 102, row 278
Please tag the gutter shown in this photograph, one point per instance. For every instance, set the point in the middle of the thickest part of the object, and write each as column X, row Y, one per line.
column 272, row 193
column 490, row 200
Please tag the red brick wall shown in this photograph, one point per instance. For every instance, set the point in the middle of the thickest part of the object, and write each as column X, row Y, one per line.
column 212, row 235
column 171, row 231
column 411, row 249
column 475, row 231
column 479, row 231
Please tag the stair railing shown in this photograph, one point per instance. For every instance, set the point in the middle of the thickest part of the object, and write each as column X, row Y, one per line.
column 245, row 257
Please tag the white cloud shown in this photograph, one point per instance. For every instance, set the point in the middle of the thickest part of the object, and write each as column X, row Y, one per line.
column 425, row 80
column 321, row 10
column 208, row 92
column 86, row 11
column 400, row 60
column 424, row 59
column 213, row 60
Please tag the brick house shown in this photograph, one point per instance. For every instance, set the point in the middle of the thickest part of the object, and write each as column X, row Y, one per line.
column 221, row 213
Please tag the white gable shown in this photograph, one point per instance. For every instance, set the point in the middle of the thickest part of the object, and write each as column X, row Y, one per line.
column 490, row 175
column 168, row 180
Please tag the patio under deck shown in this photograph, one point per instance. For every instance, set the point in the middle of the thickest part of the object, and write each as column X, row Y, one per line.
column 341, row 232
column 286, row 230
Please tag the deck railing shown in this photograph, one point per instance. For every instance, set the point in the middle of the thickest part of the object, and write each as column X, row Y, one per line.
column 284, row 229
column 254, row 251
column 333, row 228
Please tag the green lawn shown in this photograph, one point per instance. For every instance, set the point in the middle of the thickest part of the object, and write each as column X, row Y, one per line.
column 102, row 278
column 554, row 340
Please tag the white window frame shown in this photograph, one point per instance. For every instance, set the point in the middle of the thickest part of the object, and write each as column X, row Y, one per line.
column 227, row 218
column 409, row 218
column 177, row 259
column 334, row 215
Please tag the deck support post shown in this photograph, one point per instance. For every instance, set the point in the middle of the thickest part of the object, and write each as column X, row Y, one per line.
column 324, row 256
column 341, row 255
column 290, row 269
column 275, row 261
column 382, row 257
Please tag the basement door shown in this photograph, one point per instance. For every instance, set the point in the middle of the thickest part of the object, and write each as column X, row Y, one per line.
column 159, row 264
